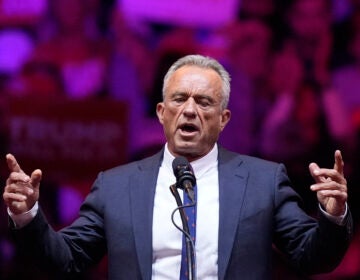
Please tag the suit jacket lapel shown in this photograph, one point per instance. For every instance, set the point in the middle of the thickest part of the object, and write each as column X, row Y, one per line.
column 232, row 185
column 142, row 192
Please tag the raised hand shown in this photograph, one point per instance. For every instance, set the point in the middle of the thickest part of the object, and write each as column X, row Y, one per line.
column 21, row 191
column 330, row 186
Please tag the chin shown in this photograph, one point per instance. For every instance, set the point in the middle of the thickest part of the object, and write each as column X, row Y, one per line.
column 186, row 149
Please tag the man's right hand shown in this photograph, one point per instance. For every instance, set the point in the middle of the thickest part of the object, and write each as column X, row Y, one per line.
column 21, row 191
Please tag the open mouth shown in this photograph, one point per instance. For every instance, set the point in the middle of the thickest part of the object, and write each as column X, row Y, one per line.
column 188, row 128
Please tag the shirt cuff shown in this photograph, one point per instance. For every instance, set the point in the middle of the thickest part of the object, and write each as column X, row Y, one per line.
column 21, row 220
column 339, row 220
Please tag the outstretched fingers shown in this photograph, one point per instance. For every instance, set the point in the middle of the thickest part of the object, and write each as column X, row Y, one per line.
column 21, row 191
column 330, row 185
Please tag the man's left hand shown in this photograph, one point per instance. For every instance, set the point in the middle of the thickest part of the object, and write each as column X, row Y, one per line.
column 330, row 186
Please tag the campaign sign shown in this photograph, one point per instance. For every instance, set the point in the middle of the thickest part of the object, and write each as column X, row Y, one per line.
column 71, row 139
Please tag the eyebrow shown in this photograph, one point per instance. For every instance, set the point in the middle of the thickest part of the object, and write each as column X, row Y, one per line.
column 196, row 96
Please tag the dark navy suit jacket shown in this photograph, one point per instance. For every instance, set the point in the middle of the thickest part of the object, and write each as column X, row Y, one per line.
column 258, row 208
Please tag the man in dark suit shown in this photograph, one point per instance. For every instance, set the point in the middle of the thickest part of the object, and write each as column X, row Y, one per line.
column 245, row 205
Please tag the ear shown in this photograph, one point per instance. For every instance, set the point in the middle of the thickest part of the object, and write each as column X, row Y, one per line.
column 160, row 112
column 225, row 117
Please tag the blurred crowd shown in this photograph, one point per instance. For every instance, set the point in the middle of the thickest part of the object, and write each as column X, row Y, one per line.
column 295, row 68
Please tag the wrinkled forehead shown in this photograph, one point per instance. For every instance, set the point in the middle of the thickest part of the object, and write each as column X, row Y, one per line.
column 191, row 77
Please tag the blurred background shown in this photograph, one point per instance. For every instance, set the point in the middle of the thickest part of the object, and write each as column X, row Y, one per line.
column 80, row 79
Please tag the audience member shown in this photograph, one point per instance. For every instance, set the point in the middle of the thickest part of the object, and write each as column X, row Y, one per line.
column 310, row 32
column 346, row 81
column 81, row 58
column 248, row 57
column 305, row 119
column 347, row 78
column 129, row 80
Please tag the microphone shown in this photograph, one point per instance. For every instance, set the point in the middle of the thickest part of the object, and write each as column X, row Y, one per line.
column 185, row 178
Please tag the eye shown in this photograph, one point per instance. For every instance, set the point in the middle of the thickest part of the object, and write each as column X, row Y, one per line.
column 204, row 102
column 179, row 98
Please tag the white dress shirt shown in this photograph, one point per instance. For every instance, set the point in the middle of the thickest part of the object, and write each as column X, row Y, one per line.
column 167, row 239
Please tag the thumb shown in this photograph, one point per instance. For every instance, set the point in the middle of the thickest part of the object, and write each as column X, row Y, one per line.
column 35, row 178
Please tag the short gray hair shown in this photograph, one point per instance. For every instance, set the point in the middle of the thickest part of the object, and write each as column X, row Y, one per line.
column 206, row 63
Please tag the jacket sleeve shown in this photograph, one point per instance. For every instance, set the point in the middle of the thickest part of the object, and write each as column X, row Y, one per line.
column 312, row 245
column 70, row 250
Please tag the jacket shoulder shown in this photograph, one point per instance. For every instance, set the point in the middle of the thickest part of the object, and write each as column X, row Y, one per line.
column 134, row 166
column 246, row 160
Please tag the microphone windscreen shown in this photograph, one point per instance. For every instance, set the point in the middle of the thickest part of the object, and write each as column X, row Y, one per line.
column 178, row 164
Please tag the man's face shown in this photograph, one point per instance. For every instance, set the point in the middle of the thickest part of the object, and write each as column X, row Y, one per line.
column 191, row 112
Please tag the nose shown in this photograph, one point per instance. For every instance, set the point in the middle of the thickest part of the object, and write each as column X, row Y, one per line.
column 190, row 107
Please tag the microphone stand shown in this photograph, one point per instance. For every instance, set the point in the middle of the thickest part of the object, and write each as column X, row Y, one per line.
column 189, row 245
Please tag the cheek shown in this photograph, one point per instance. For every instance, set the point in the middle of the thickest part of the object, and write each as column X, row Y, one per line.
column 212, row 125
column 169, row 118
